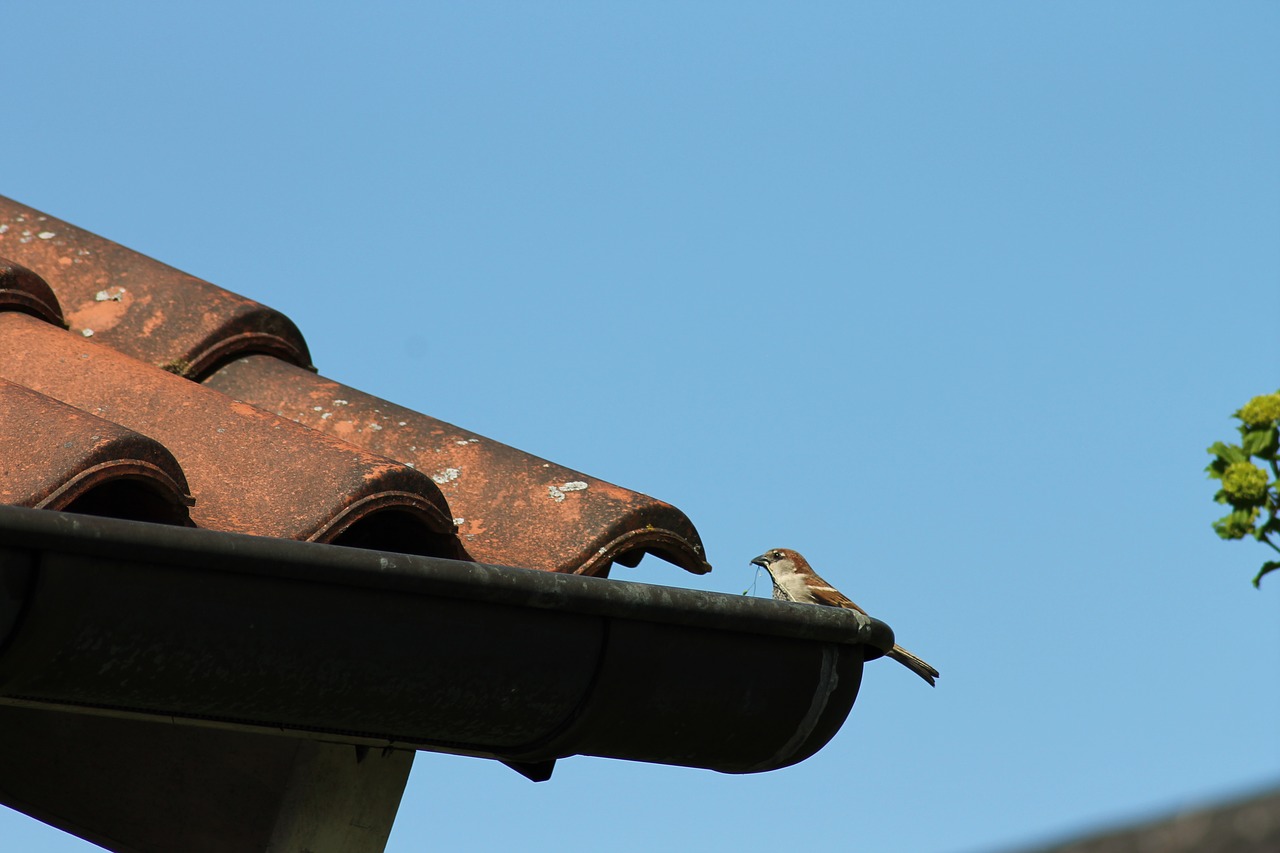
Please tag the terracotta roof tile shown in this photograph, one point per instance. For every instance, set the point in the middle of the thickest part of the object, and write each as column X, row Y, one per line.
column 23, row 290
column 511, row 507
column 54, row 456
column 140, row 306
column 249, row 471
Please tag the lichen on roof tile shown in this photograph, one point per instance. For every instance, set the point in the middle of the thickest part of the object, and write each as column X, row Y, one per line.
column 154, row 312
column 249, row 471
column 516, row 508
column 513, row 508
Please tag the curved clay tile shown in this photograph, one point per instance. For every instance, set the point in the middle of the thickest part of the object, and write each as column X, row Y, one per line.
column 511, row 508
column 140, row 306
column 23, row 290
column 514, row 508
column 55, row 456
column 249, row 471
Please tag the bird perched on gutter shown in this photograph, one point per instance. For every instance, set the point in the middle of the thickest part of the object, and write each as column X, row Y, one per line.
column 795, row 580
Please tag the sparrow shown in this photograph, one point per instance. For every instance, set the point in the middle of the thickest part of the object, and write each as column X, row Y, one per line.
column 795, row 580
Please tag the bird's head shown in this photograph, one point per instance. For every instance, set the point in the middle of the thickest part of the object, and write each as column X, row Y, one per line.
column 779, row 562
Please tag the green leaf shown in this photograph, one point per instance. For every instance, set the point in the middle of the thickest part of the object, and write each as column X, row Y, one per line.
column 1272, row 447
column 1259, row 442
column 1269, row 566
column 1229, row 452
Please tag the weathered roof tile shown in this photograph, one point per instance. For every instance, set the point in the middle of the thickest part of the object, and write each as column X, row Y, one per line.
column 511, row 507
column 140, row 306
column 54, row 456
column 23, row 290
column 249, row 471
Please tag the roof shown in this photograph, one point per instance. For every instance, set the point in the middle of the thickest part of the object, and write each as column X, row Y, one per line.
column 176, row 622
column 142, row 346
column 1247, row 825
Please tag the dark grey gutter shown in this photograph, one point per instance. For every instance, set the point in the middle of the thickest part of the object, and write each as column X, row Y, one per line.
column 140, row 620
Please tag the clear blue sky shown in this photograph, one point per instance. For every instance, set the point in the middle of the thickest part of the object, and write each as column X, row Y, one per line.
column 950, row 297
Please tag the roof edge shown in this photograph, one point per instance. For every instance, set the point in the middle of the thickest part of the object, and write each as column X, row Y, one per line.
column 417, row 652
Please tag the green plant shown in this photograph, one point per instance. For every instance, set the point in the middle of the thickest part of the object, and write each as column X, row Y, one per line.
column 1250, row 490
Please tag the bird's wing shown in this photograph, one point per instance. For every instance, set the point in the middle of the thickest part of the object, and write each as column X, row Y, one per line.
column 842, row 600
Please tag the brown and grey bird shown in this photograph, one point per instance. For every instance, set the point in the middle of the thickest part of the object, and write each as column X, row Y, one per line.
column 795, row 580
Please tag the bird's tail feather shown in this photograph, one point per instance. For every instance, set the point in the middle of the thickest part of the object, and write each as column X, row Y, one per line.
column 914, row 664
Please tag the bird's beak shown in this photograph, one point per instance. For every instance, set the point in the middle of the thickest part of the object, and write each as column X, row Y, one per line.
column 762, row 561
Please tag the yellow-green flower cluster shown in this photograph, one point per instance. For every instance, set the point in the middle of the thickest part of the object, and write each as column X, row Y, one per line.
column 1248, row 488
column 1244, row 483
column 1238, row 524
column 1261, row 411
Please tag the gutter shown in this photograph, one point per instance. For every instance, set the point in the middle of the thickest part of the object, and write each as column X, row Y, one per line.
column 201, row 628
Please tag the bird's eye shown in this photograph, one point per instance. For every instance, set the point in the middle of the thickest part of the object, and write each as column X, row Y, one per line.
column 777, row 555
